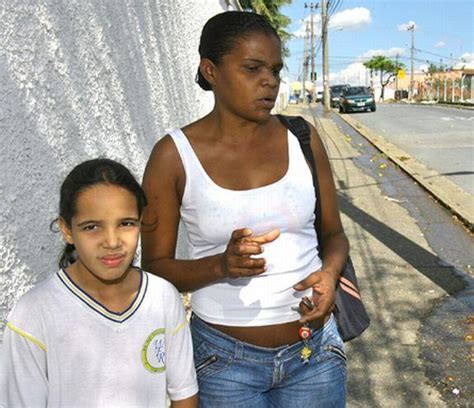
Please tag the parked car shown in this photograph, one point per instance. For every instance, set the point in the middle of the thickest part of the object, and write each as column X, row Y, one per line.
column 356, row 98
column 334, row 92
column 319, row 96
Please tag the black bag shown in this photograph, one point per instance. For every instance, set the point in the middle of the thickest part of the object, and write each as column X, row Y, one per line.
column 351, row 317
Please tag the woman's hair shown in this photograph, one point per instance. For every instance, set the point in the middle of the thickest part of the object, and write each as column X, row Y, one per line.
column 87, row 175
column 222, row 31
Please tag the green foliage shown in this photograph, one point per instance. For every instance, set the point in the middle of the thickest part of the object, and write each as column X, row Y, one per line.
column 433, row 69
column 386, row 68
column 384, row 65
column 271, row 10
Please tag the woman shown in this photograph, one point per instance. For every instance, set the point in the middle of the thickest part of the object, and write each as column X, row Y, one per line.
column 239, row 182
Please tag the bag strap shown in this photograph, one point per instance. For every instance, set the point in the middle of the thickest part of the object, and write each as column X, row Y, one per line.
column 300, row 128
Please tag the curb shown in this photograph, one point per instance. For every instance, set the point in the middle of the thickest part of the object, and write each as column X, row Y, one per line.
column 440, row 104
column 444, row 190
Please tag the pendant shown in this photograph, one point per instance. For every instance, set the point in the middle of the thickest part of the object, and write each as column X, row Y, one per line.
column 305, row 354
column 304, row 334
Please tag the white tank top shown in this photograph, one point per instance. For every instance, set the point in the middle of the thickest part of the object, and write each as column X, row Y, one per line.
column 210, row 213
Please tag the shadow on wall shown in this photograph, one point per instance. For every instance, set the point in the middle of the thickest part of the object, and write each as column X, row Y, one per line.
column 80, row 80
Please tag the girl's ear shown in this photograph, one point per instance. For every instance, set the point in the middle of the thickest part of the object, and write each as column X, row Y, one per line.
column 208, row 68
column 65, row 231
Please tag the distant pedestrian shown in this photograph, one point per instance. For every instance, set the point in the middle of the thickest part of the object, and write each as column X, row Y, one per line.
column 239, row 182
column 100, row 332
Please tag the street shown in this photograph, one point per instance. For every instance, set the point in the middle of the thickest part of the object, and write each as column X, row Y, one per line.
column 441, row 137
column 414, row 267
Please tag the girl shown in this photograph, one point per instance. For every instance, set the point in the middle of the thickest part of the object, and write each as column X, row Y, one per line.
column 239, row 182
column 100, row 332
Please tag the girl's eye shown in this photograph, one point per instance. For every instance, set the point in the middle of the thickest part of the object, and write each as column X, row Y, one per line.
column 252, row 69
column 90, row 227
column 276, row 73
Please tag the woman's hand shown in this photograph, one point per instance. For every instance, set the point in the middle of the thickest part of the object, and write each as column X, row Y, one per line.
column 237, row 261
column 323, row 283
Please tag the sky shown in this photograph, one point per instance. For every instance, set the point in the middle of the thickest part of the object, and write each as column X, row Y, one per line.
column 360, row 29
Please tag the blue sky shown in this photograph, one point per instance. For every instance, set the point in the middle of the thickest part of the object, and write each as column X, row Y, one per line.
column 361, row 28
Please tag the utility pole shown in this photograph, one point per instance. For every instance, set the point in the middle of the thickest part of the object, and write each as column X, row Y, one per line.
column 312, row 75
column 412, row 57
column 324, row 39
column 396, row 78
column 305, row 64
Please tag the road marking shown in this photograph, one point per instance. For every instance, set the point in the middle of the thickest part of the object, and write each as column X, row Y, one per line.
column 461, row 118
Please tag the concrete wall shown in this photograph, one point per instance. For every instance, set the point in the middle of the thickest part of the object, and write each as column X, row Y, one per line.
column 80, row 79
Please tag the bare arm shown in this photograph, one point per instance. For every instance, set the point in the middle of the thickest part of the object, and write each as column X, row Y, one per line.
column 191, row 402
column 335, row 247
column 164, row 182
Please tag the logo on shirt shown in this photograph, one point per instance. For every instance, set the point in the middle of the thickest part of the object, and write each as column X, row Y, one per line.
column 154, row 352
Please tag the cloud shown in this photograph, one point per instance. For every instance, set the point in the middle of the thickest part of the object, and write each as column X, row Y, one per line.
column 306, row 22
column 405, row 26
column 468, row 57
column 390, row 53
column 349, row 19
column 467, row 61
column 423, row 68
column 354, row 74
column 440, row 44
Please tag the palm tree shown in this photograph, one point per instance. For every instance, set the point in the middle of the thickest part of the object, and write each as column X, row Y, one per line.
column 271, row 10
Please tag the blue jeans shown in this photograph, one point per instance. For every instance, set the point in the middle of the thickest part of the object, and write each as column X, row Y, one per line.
column 234, row 374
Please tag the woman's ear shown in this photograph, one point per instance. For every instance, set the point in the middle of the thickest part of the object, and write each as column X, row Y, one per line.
column 208, row 70
column 65, row 231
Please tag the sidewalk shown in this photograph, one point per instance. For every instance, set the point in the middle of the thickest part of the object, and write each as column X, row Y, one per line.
column 397, row 271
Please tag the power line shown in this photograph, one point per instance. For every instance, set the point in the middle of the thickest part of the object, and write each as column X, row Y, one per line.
column 438, row 55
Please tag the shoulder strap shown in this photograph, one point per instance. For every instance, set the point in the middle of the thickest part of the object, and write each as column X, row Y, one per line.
column 300, row 128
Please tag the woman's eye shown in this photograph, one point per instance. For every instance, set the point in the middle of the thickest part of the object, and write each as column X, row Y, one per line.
column 276, row 73
column 129, row 224
column 252, row 69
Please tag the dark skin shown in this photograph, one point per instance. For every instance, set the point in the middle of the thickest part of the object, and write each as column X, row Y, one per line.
column 241, row 146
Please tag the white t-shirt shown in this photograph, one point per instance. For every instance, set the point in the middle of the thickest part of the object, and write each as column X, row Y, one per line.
column 63, row 349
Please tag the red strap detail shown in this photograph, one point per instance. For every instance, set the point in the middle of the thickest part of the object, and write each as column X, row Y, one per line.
column 347, row 282
column 350, row 291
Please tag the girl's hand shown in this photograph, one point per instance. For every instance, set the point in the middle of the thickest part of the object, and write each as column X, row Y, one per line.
column 323, row 284
column 237, row 260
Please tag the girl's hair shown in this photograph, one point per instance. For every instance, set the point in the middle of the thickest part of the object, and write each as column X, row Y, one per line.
column 87, row 175
column 222, row 31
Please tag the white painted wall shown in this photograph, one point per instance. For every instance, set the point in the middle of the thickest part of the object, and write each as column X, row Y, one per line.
column 80, row 79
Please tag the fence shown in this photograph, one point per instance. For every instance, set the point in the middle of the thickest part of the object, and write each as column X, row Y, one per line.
column 446, row 90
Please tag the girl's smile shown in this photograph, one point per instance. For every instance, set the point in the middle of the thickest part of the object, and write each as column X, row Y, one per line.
column 112, row 261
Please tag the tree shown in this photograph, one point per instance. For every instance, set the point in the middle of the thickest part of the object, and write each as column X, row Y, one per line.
column 387, row 69
column 271, row 10
column 433, row 69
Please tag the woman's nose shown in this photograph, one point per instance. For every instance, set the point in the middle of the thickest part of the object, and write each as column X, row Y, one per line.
column 271, row 79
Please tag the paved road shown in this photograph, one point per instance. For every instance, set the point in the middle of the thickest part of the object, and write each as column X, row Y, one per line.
column 440, row 137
